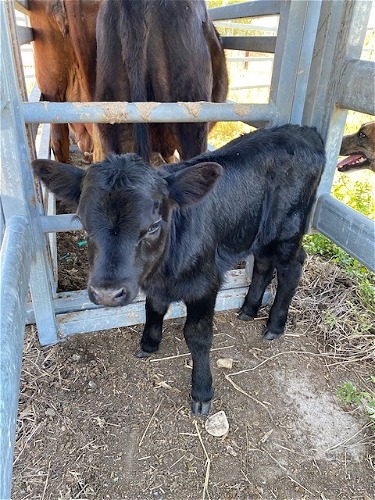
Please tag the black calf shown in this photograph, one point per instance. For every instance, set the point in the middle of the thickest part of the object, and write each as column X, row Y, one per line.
column 174, row 232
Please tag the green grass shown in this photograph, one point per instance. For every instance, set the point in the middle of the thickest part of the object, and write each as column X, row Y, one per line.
column 349, row 395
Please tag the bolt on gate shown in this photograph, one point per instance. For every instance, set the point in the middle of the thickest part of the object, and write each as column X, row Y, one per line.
column 317, row 76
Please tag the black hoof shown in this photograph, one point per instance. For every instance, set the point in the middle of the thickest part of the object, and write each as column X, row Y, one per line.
column 142, row 354
column 201, row 407
column 268, row 335
column 244, row 317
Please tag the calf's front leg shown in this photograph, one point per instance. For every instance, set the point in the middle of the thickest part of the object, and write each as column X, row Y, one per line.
column 198, row 336
column 152, row 331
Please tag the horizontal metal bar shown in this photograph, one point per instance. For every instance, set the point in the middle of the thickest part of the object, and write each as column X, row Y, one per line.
column 71, row 302
column 22, row 6
column 139, row 112
column 15, row 271
column 60, row 223
column 357, row 86
column 250, row 60
column 258, row 8
column 133, row 314
column 249, row 87
column 242, row 26
column 25, row 34
column 262, row 44
column 346, row 227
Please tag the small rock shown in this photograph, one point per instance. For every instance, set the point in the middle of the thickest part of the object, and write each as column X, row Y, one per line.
column 76, row 357
column 217, row 425
column 224, row 363
column 92, row 385
column 50, row 412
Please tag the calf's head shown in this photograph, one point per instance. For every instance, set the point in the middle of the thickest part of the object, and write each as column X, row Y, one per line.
column 125, row 206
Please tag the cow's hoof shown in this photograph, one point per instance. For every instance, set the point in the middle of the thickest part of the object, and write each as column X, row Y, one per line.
column 200, row 407
column 268, row 335
column 142, row 354
column 244, row 317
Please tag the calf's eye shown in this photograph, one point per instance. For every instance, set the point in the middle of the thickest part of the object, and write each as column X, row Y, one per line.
column 153, row 228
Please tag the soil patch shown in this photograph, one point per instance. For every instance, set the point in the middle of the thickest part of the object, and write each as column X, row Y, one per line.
column 95, row 422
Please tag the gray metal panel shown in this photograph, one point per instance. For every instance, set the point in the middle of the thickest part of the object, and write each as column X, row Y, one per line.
column 17, row 185
column 15, row 269
column 293, row 55
column 117, row 112
column 341, row 33
column 346, row 227
column 357, row 86
column 254, row 43
column 259, row 8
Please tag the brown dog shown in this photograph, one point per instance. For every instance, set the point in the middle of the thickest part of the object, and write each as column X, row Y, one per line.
column 359, row 149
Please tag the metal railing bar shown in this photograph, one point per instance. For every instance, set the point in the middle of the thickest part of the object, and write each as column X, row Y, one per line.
column 357, row 86
column 15, row 272
column 69, row 302
column 351, row 230
column 25, row 34
column 144, row 112
column 261, row 44
column 260, row 8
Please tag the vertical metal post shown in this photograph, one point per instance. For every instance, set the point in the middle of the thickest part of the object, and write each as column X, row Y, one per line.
column 17, row 184
column 341, row 33
column 15, row 272
column 293, row 55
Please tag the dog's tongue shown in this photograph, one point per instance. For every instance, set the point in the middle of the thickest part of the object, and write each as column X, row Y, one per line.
column 349, row 160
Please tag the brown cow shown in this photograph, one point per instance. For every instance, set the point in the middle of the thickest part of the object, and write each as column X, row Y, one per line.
column 165, row 51
column 65, row 60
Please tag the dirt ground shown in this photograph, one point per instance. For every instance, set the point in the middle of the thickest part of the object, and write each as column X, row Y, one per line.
column 97, row 423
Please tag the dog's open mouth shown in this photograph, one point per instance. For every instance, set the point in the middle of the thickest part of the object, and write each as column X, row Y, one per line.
column 352, row 162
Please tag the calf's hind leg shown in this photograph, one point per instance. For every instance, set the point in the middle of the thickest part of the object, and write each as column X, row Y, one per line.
column 262, row 276
column 288, row 276
column 198, row 336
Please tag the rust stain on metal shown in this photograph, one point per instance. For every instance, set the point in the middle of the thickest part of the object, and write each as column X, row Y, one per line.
column 145, row 109
column 193, row 108
column 113, row 112
column 241, row 109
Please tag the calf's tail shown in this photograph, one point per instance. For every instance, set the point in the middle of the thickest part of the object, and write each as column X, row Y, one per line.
column 134, row 50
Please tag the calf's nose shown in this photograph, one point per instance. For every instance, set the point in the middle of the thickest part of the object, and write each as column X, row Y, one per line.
column 109, row 296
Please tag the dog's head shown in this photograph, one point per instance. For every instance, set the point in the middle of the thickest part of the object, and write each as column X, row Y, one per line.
column 359, row 148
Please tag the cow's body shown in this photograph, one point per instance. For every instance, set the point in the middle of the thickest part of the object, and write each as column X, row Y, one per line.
column 65, row 58
column 174, row 232
column 164, row 51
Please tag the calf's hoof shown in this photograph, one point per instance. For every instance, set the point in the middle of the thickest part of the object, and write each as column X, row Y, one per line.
column 142, row 354
column 268, row 335
column 244, row 317
column 200, row 407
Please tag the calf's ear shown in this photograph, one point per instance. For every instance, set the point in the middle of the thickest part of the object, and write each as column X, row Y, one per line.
column 61, row 179
column 191, row 184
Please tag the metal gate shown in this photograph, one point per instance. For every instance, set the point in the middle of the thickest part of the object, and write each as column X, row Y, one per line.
column 317, row 76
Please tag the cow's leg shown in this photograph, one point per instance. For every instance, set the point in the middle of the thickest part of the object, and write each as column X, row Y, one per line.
column 192, row 138
column 152, row 331
column 60, row 141
column 261, row 278
column 288, row 276
column 198, row 336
